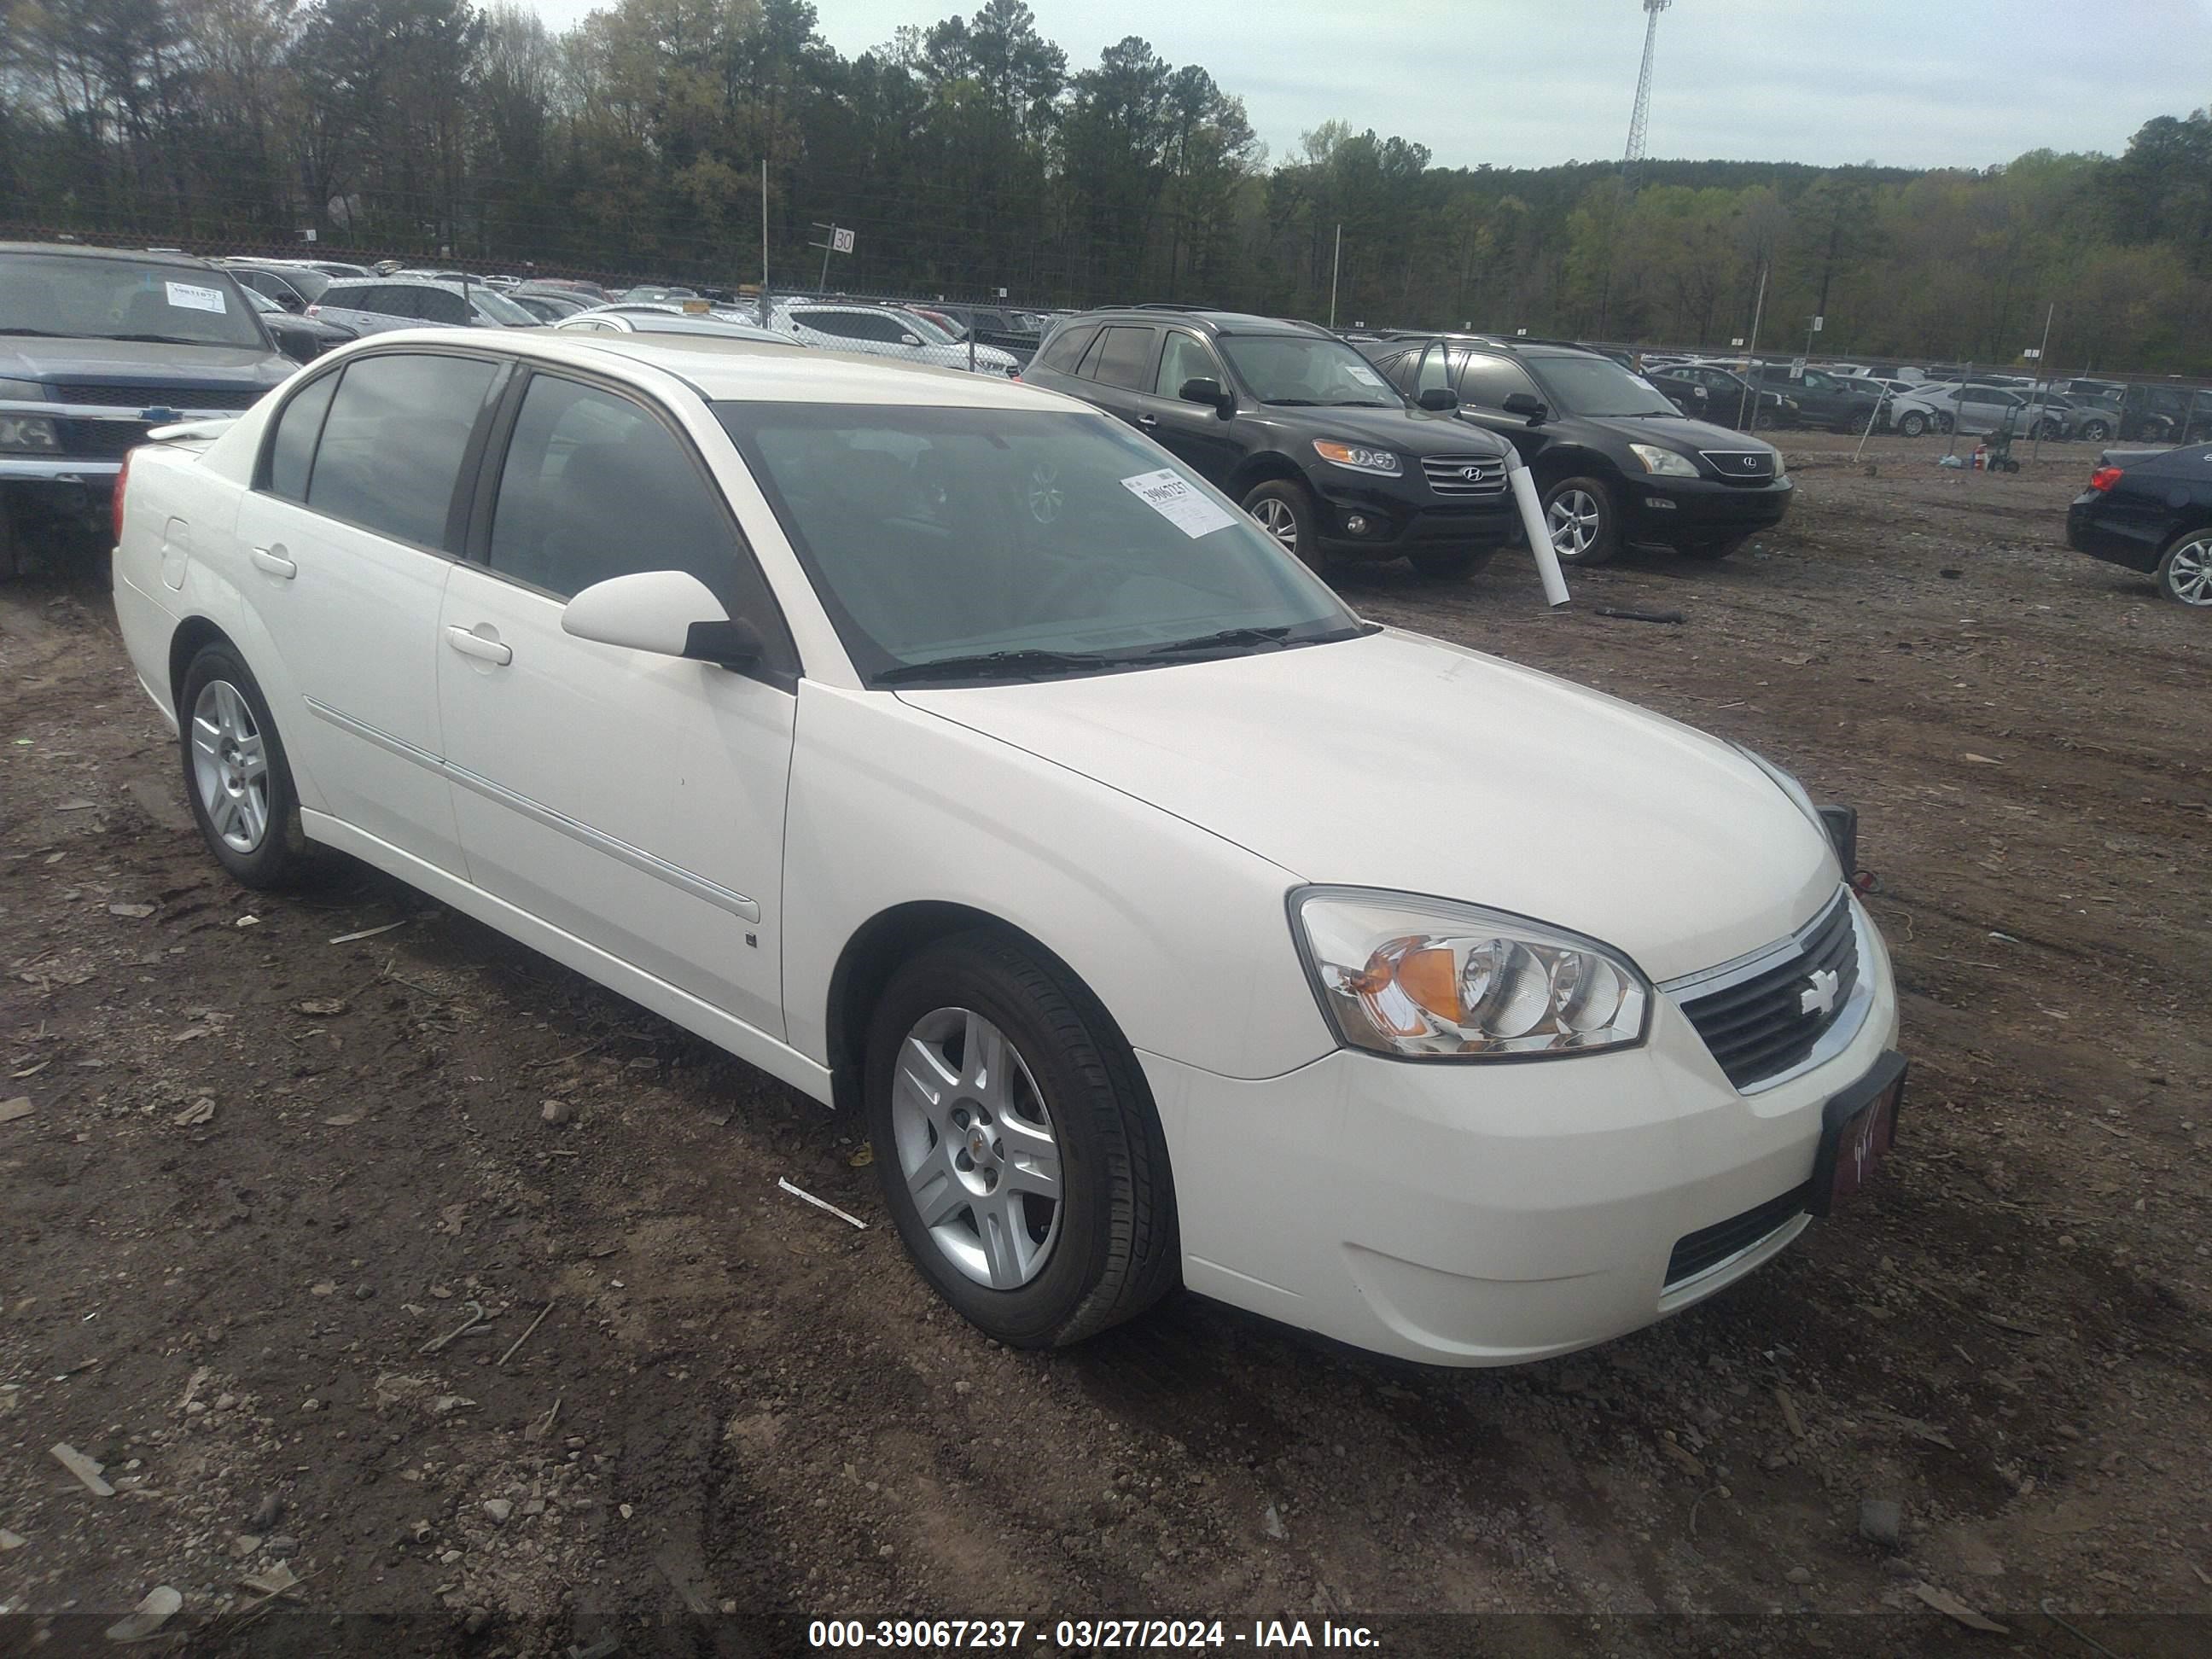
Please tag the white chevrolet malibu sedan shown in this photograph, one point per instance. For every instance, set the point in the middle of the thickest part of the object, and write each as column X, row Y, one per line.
column 948, row 752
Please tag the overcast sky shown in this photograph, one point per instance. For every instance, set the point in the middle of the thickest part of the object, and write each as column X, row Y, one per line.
column 1529, row 82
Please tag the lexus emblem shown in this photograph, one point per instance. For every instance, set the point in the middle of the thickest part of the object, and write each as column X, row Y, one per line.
column 1750, row 463
column 1818, row 996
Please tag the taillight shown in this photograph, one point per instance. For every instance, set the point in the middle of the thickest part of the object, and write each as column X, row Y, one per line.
column 2104, row 477
column 115, row 508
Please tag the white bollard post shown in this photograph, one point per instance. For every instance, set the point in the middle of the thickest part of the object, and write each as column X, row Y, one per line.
column 1539, row 532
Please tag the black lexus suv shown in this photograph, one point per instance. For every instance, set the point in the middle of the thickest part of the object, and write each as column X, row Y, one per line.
column 1288, row 420
column 1615, row 464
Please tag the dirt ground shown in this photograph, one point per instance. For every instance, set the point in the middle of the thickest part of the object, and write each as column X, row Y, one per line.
column 263, row 1171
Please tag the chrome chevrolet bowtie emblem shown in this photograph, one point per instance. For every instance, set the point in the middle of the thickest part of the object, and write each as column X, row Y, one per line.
column 1818, row 996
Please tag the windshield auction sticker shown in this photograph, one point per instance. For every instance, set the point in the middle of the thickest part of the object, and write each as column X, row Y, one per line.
column 188, row 297
column 1174, row 500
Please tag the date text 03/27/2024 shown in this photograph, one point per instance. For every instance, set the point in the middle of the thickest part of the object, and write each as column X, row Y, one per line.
column 1085, row 1635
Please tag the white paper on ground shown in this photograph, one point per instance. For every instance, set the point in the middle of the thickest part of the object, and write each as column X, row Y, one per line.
column 1539, row 532
column 1174, row 500
column 190, row 296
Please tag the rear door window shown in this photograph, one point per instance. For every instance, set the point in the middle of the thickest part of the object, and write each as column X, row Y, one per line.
column 441, row 304
column 392, row 443
column 1123, row 358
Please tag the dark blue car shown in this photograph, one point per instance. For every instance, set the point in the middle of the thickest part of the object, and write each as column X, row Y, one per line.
column 2151, row 510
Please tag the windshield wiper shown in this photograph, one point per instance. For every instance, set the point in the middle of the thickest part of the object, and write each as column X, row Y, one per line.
column 1291, row 402
column 161, row 339
column 1357, row 403
column 992, row 664
column 1272, row 635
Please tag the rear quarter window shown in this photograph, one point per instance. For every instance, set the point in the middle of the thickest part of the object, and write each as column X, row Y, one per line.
column 1066, row 349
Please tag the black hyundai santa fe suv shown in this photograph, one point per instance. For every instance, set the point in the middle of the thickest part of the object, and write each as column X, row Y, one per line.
column 1614, row 463
column 1291, row 422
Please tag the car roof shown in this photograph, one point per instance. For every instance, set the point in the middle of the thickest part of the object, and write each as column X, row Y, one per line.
column 136, row 256
column 1218, row 322
column 395, row 281
column 726, row 369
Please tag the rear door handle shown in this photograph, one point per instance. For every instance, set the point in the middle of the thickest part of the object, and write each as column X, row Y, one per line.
column 475, row 645
column 272, row 560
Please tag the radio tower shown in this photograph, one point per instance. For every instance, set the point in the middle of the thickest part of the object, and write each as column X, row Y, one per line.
column 1638, row 119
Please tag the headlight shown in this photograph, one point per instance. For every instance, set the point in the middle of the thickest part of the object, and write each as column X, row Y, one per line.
column 1429, row 979
column 1673, row 463
column 25, row 391
column 1357, row 459
column 27, row 433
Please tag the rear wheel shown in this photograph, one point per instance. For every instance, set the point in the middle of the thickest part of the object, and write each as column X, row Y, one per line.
column 2184, row 574
column 1447, row 562
column 236, row 777
column 1019, row 1156
column 1286, row 510
column 1585, row 528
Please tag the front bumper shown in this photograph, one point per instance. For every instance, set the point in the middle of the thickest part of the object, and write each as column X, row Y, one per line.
column 2116, row 541
column 1399, row 519
column 1486, row 1213
column 1677, row 511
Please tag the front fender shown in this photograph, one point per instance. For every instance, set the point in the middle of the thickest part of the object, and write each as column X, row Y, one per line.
column 1182, row 936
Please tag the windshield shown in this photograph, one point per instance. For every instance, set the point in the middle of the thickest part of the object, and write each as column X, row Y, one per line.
column 499, row 309
column 1300, row 368
column 89, row 299
column 1598, row 386
column 939, row 533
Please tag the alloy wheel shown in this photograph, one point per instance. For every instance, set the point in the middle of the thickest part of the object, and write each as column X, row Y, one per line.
column 1276, row 518
column 976, row 1148
column 230, row 765
column 2189, row 572
column 1573, row 518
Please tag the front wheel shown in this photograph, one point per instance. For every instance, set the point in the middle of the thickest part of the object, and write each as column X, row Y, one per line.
column 2184, row 574
column 2095, row 432
column 2049, row 431
column 236, row 776
column 1943, row 423
column 1019, row 1156
column 1912, row 423
column 1444, row 563
column 1286, row 509
column 1585, row 530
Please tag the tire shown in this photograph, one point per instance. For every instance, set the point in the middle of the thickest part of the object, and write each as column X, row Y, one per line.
column 249, row 818
column 1942, row 422
column 1106, row 1248
column 1287, row 511
column 2093, row 432
column 2049, row 431
column 1585, row 525
column 2184, row 569
column 1912, row 423
column 1445, row 562
column 1719, row 550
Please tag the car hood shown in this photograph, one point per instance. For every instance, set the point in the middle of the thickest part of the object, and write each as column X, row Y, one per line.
column 1400, row 761
column 1414, row 432
column 1676, row 432
column 124, row 362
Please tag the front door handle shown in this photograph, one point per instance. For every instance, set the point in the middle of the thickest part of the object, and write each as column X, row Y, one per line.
column 272, row 560
column 1148, row 419
column 475, row 645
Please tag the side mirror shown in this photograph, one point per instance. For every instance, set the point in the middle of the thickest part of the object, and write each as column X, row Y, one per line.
column 1440, row 398
column 300, row 348
column 1205, row 389
column 910, row 339
column 1528, row 405
column 670, row 613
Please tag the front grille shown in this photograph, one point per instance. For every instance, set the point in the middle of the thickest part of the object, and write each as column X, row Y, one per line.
column 100, row 440
column 1759, row 1026
column 162, row 397
column 1465, row 475
column 1708, row 1247
column 1742, row 466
